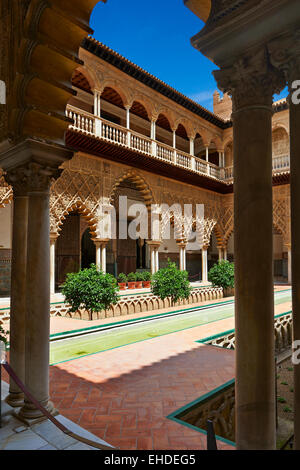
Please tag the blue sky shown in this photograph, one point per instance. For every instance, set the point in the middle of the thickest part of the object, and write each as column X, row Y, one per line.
column 155, row 34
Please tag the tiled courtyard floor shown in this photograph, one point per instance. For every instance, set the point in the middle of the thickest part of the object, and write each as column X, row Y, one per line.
column 124, row 395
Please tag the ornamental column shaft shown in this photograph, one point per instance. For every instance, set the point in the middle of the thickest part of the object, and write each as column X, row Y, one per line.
column 37, row 290
column 252, row 82
column 204, row 265
column 52, row 264
column 285, row 54
column 18, row 289
column 295, row 231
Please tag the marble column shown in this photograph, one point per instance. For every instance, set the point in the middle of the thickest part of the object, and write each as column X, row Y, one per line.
column 220, row 250
column 204, row 265
column 103, row 258
column 53, row 239
column 37, row 290
column 18, row 287
column 295, row 228
column 289, row 265
column 182, row 255
column 101, row 254
column 225, row 254
column 252, row 83
column 154, row 255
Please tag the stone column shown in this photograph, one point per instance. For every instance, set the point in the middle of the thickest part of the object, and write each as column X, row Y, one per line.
column 128, row 117
column 174, row 139
column 101, row 253
column 37, row 289
column 154, row 255
column 98, row 254
column 204, row 265
column 252, row 83
column 182, row 255
column 18, row 285
column 289, row 265
column 292, row 68
column 225, row 254
column 103, row 258
column 220, row 250
column 53, row 238
column 97, row 103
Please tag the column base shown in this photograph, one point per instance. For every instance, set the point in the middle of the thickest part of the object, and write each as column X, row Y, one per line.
column 29, row 415
column 15, row 400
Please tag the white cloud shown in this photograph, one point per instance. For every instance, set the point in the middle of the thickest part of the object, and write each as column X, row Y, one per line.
column 202, row 96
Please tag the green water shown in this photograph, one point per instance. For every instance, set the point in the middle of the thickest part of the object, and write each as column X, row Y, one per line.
column 101, row 341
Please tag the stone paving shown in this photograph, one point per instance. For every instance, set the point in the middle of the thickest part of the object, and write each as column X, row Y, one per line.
column 124, row 395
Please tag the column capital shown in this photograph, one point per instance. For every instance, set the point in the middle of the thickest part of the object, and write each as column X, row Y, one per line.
column 101, row 241
column 154, row 243
column 251, row 81
column 53, row 237
column 284, row 54
column 181, row 243
column 31, row 177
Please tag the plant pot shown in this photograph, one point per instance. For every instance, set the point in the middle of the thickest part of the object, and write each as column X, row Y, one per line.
column 147, row 284
column 131, row 285
column 229, row 292
column 139, row 284
column 122, row 285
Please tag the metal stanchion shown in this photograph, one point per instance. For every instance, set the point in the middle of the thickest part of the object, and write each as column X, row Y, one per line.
column 211, row 437
column 2, row 361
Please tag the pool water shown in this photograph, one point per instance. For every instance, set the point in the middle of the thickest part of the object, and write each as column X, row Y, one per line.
column 67, row 349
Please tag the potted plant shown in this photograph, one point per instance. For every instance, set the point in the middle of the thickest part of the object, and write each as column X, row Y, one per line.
column 90, row 290
column 139, row 280
column 171, row 282
column 131, row 280
column 122, row 280
column 222, row 275
column 147, row 279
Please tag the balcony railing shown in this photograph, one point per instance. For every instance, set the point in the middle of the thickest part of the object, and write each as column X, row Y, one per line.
column 279, row 164
column 114, row 133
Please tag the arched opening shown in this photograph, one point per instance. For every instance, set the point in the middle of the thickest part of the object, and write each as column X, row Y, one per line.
column 84, row 98
column 6, row 215
column 199, row 147
column 88, row 250
column 112, row 106
column 74, row 247
column 280, row 142
column 139, row 120
column 164, row 132
column 280, row 256
column 229, row 155
column 126, row 254
column 182, row 140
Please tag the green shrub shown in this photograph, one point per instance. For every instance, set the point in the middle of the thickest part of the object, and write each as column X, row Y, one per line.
column 171, row 282
column 131, row 277
column 122, row 278
column 90, row 289
column 147, row 276
column 222, row 274
column 139, row 276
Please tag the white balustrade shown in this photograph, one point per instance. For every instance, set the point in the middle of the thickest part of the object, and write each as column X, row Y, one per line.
column 140, row 143
column 183, row 159
column 281, row 163
column 165, row 152
column 107, row 130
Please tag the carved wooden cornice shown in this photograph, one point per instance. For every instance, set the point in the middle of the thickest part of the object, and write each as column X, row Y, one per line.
column 39, row 46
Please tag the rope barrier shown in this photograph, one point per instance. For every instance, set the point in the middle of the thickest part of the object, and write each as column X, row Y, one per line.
column 48, row 415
